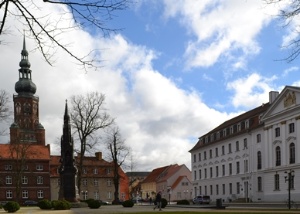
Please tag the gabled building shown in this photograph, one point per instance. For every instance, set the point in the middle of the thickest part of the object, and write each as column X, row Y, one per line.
column 97, row 179
column 165, row 179
column 251, row 156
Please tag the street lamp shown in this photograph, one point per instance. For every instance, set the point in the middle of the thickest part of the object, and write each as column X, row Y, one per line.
column 289, row 178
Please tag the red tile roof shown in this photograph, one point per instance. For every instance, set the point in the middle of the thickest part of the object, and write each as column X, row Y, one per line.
column 154, row 174
column 31, row 151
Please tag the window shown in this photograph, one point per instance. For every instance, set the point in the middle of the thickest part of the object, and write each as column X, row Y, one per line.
column 237, row 187
column 237, row 146
column 24, row 180
column 230, row 168
column 205, row 173
column 229, row 148
column 195, row 175
column 108, row 182
column 223, row 170
column 95, row 171
column 237, row 167
column 109, row 195
column 292, row 153
column 245, row 166
column 96, row 195
column 199, row 156
column 39, row 167
column 25, row 194
column 200, row 174
column 258, row 138
column 277, row 132
column 194, row 158
column 95, row 182
column 84, row 171
column 9, row 194
column 223, row 150
column 8, row 179
column 259, row 160
column 84, row 182
column 259, row 184
column 40, row 194
column 210, row 153
column 223, row 189
column 8, row 167
column 211, row 189
column 217, row 189
column 217, row 171
column 204, row 155
column 276, row 182
column 245, row 143
column 278, row 156
column 211, row 172
column 291, row 128
column 230, row 188
column 39, row 180
column 217, row 152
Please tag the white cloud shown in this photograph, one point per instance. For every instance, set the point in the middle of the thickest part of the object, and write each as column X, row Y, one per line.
column 251, row 91
column 221, row 29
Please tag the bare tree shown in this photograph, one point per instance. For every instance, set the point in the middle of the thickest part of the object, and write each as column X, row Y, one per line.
column 289, row 11
column 88, row 116
column 5, row 112
column 18, row 160
column 118, row 153
column 85, row 13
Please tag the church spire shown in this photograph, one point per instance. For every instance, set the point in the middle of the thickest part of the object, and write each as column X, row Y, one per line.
column 25, row 85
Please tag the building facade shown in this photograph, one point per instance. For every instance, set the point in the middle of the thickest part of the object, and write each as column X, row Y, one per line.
column 252, row 157
column 174, row 182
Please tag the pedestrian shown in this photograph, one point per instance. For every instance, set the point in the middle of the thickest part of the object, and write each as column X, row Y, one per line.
column 157, row 201
column 150, row 200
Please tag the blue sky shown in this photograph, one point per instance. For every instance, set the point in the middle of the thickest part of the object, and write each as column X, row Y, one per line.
column 174, row 71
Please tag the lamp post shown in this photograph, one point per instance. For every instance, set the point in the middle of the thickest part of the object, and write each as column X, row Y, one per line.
column 289, row 178
column 170, row 192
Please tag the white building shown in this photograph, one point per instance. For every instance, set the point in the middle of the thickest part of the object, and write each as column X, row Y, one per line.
column 251, row 156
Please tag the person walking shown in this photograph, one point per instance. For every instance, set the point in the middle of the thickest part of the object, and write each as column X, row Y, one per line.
column 157, row 201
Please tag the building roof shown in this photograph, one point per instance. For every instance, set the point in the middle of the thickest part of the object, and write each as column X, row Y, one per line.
column 154, row 174
column 168, row 172
column 30, row 151
column 252, row 116
column 137, row 174
column 178, row 180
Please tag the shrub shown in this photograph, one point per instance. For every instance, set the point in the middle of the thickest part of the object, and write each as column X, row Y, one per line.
column 128, row 203
column 183, row 202
column 164, row 202
column 45, row 204
column 11, row 206
column 94, row 204
column 61, row 205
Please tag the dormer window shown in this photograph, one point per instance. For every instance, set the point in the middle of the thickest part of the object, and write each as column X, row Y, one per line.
column 238, row 127
column 247, row 124
column 231, row 130
column 218, row 135
column 224, row 132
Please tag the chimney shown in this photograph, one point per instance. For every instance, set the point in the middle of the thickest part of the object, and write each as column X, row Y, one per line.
column 98, row 155
column 272, row 96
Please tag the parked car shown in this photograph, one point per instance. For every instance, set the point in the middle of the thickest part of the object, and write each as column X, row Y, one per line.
column 30, row 203
column 201, row 199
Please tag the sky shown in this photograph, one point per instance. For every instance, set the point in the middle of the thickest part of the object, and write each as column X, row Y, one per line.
column 171, row 74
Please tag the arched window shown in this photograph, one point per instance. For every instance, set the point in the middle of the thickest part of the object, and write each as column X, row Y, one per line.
column 259, row 160
column 292, row 153
column 278, row 156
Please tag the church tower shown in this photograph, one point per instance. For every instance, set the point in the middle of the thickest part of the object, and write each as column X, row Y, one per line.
column 67, row 170
column 26, row 127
